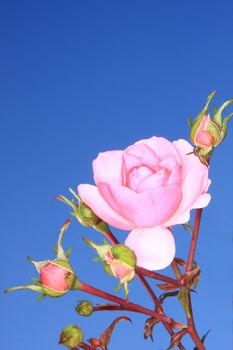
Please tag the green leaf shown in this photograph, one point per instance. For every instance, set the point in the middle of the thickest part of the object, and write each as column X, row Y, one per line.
column 183, row 297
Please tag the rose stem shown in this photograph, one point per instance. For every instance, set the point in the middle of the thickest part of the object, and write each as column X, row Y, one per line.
column 159, row 307
column 140, row 271
column 191, row 325
column 134, row 307
column 110, row 308
column 193, row 245
column 157, row 276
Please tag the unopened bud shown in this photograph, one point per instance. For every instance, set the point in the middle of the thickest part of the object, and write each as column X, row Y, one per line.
column 207, row 133
column 84, row 308
column 71, row 336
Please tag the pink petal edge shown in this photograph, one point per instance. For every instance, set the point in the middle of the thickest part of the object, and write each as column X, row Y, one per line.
column 90, row 195
column 154, row 247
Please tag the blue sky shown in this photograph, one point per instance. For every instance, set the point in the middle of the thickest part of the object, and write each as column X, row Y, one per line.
column 80, row 77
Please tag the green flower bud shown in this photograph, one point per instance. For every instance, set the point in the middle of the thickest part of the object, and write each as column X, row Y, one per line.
column 84, row 214
column 84, row 308
column 71, row 336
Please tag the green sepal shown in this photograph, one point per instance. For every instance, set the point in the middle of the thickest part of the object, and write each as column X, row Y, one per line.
column 33, row 287
column 190, row 122
column 41, row 297
column 118, row 286
column 107, row 268
column 124, row 254
column 101, row 249
column 96, row 259
column 101, row 226
column 60, row 251
column 53, row 293
column 76, row 284
column 224, row 127
column 218, row 114
column 206, row 107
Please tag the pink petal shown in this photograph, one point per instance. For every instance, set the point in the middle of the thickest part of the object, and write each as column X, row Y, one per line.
column 202, row 201
column 91, row 196
column 146, row 209
column 141, row 152
column 169, row 163
column 152, row 181
column 193, row 187
column 154, row 247
column 107, row 167
column 188, row 160
column 161, row 147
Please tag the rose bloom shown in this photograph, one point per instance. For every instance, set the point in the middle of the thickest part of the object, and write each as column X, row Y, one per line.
column 147, row 188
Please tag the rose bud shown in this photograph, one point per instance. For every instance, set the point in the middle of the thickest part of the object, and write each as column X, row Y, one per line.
column 118, row 261
column 84, row 214
column 84, row 308
column 71, row 336
column 207, row 133
column 56, row 276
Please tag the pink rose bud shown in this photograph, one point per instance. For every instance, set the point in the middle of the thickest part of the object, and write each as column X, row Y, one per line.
column 83, row 213
column 118, row 261
column 207, row 133
column 56, row 277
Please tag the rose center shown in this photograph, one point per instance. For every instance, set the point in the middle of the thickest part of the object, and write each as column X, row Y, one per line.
column 143, row 177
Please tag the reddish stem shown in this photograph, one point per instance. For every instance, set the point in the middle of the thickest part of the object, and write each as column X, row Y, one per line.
column 140, row 272
column 132, row 306
column 157, row 276
column 193, row 245
column 191, row 325
column 110, row 308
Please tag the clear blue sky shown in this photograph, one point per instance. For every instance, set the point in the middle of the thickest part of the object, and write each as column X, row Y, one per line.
column 80, row 77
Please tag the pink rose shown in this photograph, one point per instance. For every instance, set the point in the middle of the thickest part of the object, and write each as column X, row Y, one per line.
column 54, row 276
column 205, row 133
column 146, row 188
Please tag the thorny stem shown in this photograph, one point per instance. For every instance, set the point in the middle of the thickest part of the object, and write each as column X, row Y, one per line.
column 140, row 272
column 130, row 306
column 191, row 325
column 194, row 239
